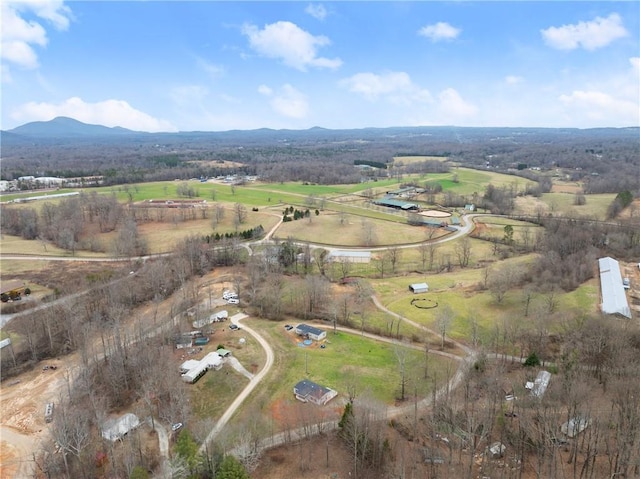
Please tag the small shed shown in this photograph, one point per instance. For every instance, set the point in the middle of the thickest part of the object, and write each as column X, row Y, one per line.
column 224, row 353
column 417, row 288
column 575, row 426
column 310, row 332
column 497, row 450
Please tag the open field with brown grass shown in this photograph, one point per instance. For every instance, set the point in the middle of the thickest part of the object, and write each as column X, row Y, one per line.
column 407, row 160
column 334, row 229
column 562, row 204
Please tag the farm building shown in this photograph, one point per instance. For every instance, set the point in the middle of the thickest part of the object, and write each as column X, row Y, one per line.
column 184, row 341
column 310, row 332
column 349, row 256
column 115, row 429
column 540, row 384
column 308, row 391
column 614, row 299
column 417, row 288
column 403, row 192
column 397, row 204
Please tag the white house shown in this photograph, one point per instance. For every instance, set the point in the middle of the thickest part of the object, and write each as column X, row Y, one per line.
column 310, row 332
column 117, row 428
column 210, row 361
column 540, row 384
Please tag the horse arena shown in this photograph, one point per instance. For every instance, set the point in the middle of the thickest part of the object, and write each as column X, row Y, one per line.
column 435, row 214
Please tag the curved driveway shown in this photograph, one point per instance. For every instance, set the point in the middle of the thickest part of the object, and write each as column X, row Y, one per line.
column 237, row 402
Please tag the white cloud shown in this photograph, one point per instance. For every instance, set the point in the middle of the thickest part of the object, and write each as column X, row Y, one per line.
column 214, row 71
column 590, row 35
column 396, row 87
column 289, row 43
column 108, row 113
column 453, row 107
column 602, row 108
column 635, row 64
column 287, row 101
column 188, row 94
column 19, row 36
column 316, row 10
column 439, row 31
column 5, row 74
column 513, row 79
column 265, row 90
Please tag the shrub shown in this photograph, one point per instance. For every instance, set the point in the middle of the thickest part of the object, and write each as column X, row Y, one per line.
column 532, row 360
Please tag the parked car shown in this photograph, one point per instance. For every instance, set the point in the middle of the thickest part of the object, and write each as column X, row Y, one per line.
column 288, row 327
column 176, row 426
column 229, row 295
column 233, row 301
column 234, row 327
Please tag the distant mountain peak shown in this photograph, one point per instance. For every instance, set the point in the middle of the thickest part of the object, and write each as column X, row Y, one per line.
column 65, row 127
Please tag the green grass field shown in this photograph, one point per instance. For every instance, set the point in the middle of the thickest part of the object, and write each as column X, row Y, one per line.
column 373, row 365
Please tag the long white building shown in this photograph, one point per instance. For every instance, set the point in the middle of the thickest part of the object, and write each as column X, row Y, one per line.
column 614, row 298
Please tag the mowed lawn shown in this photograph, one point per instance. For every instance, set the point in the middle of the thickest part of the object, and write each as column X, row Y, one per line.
column 347, row 360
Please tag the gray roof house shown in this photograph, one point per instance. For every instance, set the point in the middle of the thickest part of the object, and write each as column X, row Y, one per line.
column 308, row 391
column 310, row 332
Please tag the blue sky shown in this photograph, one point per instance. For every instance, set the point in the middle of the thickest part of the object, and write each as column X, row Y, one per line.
column 184, row 66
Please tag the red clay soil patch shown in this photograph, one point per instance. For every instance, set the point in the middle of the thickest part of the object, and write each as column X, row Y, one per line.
column 566, row 188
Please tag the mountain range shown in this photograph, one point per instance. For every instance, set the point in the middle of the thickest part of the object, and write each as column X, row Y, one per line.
column 69, row 130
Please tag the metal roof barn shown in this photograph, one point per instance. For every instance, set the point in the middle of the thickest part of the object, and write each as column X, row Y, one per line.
column 614, row 299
